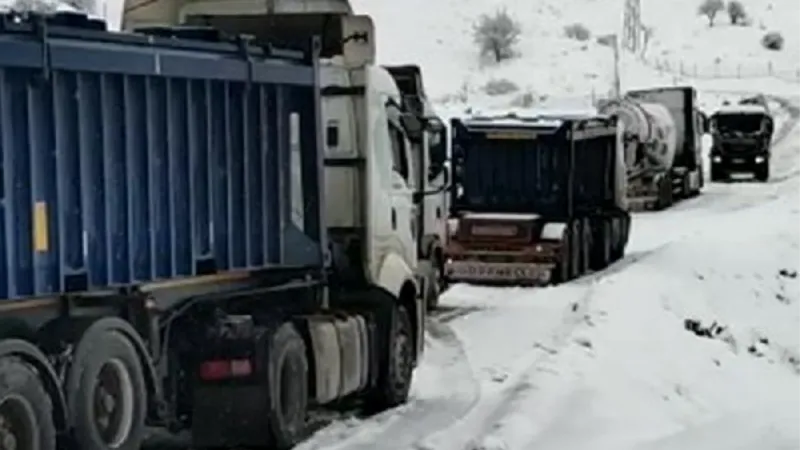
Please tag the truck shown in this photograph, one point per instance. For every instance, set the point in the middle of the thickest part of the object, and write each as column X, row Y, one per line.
column 535, row 200
column 741, row 141
column 430, row 155
column 202, row 231
column 663, row 144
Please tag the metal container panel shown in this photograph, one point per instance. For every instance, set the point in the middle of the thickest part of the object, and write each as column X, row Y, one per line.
column 554, row 174
column 129, row 159
column 499, row 174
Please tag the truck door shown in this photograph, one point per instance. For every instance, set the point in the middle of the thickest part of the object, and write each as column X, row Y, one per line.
column 403, row 212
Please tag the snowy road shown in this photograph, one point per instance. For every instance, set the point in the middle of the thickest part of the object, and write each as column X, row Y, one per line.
column 605, row 361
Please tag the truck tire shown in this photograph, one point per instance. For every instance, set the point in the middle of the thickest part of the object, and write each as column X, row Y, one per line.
column 576, row 250
column 619, row 238
column 601, row 250
column 563, row 268
column 397, row 367
column 761, row 172
column 26, row 411
column 106, row 393
column 586, row 247
column 665, row 197
column 288, row 387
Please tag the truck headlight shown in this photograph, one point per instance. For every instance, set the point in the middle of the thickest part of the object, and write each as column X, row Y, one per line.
column 759, row 159
column 716, row 158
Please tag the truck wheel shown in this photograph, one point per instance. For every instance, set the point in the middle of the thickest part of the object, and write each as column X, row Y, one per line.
column 617, row 244
column 26, row 411
column 288, row 375
column 762, row 171
column 394, row 380
column 665, row 198
column 601, row 250
column 107, row 394
column 561, row 272
column 576, row 250
column 586, row 247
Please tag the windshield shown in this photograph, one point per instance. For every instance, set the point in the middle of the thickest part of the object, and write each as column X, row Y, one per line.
column 745, row 123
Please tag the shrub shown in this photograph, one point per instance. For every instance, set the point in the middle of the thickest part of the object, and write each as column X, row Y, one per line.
column 772, row 41
column 500, row 86
column 736, row 12
column 578, row 32
column 710, row 9
column 607, row 40
column 497, row 35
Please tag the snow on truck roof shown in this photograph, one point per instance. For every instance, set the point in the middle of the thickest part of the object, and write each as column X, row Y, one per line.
column 741, row 109
column 539, row 119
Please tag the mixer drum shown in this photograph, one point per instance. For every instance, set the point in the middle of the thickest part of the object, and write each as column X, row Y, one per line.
column 652, row 129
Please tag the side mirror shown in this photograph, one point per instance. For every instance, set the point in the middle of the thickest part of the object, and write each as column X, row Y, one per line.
column 433, row 124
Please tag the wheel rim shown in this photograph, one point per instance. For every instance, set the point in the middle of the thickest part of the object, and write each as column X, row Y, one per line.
column 113, row 403
column 18, row 424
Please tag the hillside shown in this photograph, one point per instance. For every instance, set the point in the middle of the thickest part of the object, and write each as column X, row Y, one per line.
column 438, row 36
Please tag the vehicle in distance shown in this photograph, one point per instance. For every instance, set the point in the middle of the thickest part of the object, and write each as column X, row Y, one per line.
column 535, row 200
column 741, row 141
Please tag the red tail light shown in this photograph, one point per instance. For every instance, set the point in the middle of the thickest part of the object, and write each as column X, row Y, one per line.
column 224, row 369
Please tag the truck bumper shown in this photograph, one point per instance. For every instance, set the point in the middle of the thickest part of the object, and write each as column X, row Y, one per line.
column 739, row 162
column 498, row 272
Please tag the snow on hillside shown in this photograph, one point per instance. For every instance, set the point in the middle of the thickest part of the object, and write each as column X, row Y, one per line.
column 725, row 48
column 554, row 69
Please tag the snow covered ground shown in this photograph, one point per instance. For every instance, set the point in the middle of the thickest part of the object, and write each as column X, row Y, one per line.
column 692, row 341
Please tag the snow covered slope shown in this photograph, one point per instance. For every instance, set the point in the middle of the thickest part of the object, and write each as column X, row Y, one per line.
column 725, row 48
column 438, row 36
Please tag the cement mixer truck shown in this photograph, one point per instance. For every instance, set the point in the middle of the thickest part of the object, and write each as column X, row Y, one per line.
column 662, row 138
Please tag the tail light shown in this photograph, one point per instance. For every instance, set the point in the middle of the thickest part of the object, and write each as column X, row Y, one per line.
column 217, row 370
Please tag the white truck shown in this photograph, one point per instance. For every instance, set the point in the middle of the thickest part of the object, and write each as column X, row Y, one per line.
column 430, row 155
column 662, row 133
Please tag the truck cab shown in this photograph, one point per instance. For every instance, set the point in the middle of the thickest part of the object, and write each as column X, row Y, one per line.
column 429, row 155
column 741, row 136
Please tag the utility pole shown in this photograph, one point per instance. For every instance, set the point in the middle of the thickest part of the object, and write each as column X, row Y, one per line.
column 617, row 82
column 632, row 26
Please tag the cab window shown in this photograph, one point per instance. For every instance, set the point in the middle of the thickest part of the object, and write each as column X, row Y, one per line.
column 399, row 155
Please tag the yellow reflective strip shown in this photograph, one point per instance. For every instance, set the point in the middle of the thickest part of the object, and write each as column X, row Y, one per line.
column 41, row 240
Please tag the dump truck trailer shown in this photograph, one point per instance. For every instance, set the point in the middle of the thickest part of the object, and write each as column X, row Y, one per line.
column 182, row 246
column 742, row 140
column 663, row 143
column 535, row 200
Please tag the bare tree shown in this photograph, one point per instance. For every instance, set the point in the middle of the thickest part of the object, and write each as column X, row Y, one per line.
column 497, row 35
column 710, row 9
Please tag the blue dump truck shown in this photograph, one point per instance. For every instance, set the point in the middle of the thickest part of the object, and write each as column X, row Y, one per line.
column 168, row 255
column 535, row 200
